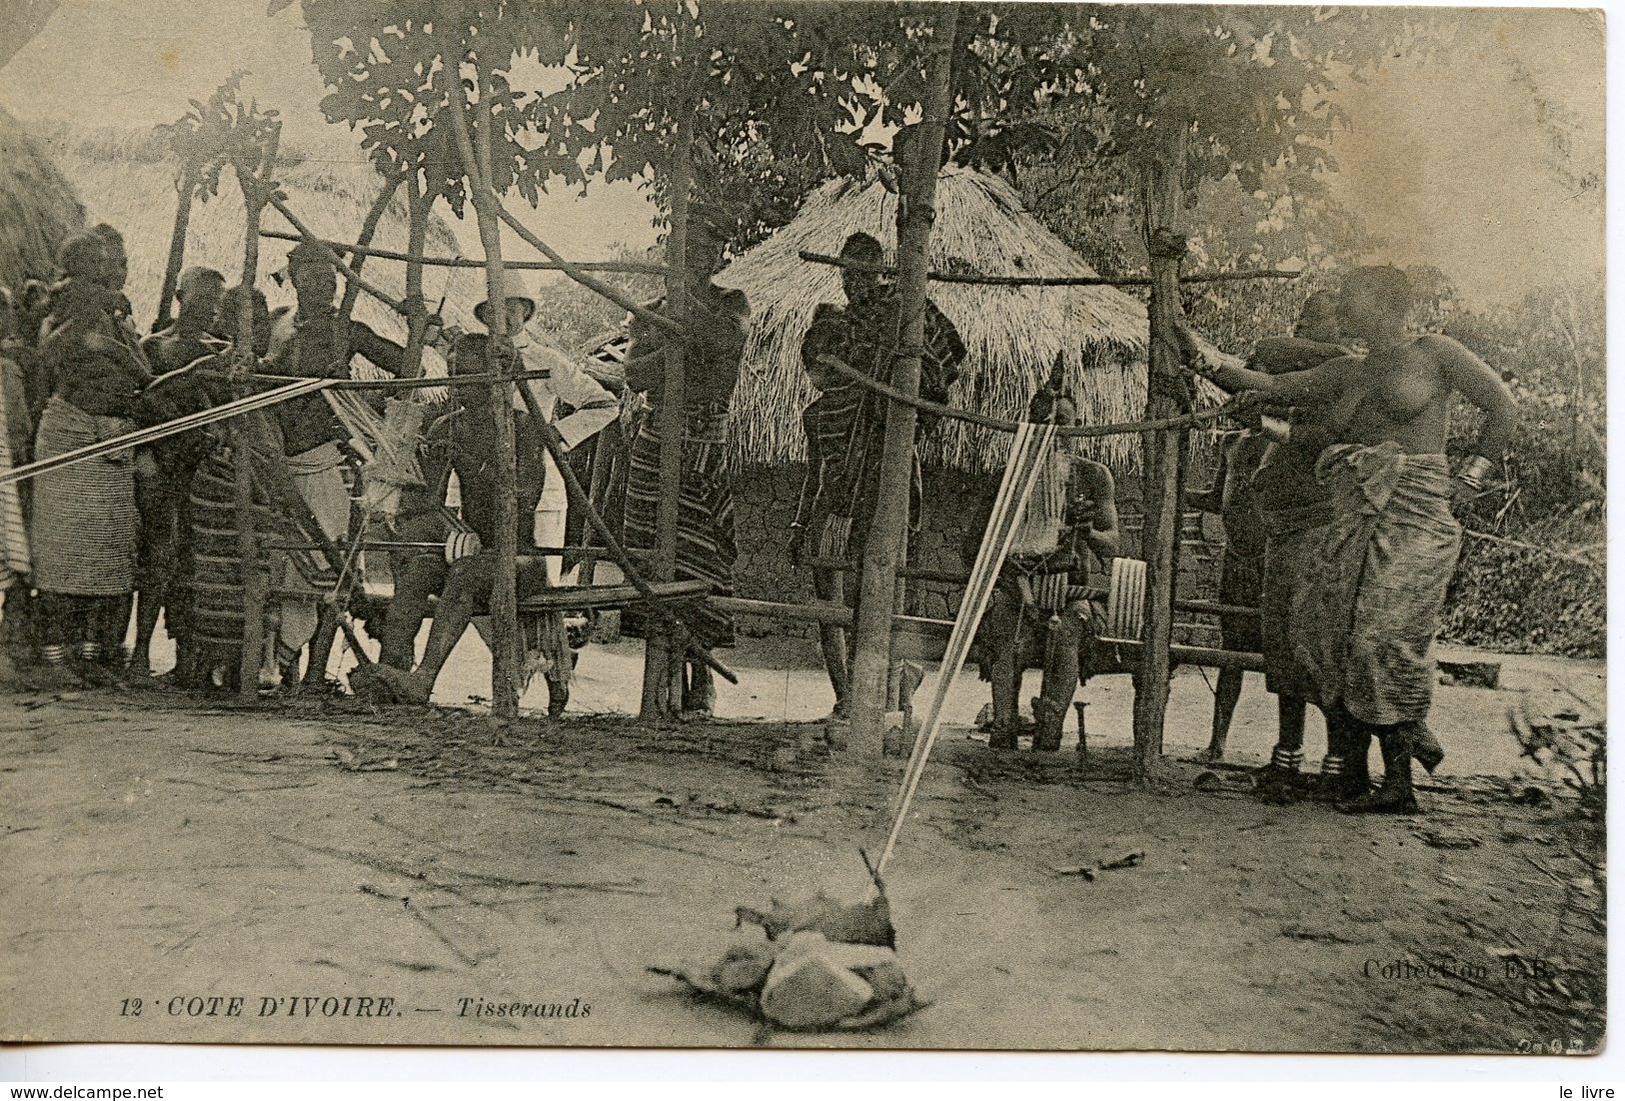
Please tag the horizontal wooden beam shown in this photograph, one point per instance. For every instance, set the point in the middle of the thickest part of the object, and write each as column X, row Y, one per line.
column 959, row 577
column 1239, row 404
column 1043, row 280
column 628, row 266
column 840, row 616
column 566, row 598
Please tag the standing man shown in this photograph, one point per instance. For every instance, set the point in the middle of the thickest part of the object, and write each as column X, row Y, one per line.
column 1241, row 577
column 164, row 480
column 712, row 348
column 315, row 342
column 1363, row 625
column 846, row 426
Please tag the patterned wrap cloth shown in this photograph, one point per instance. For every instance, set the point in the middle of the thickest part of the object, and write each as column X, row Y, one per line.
column 1291, row 560
column 84, row 537
column 1363, row 625
column 706, row 549
column 845, row 425
column 213, row 570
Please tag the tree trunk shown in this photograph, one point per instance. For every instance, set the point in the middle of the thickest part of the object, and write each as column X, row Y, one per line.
column 248, row 551
column 477, row 167
column 417, row 227
column 664, row 656
column 882, row 551
column 1162, row 487
column 177, row 246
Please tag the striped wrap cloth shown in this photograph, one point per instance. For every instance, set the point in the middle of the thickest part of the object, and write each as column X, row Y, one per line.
column 706, row 550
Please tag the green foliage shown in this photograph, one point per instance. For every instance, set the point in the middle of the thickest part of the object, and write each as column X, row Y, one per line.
column 222, row 131
column 1518, row 600
column 570, row 316
column 1551, row 350
column 382, row 64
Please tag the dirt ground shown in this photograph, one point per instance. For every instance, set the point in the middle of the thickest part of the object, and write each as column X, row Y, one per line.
column 166, row 850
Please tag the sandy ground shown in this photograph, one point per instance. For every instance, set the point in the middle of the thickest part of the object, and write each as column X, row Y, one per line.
column 160, row 849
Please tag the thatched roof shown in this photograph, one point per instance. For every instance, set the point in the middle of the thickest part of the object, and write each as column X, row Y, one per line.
column 1013, row 333
column 127, row 180
column 38, row 207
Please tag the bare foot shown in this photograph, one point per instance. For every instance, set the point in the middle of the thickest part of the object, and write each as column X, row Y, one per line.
column 52, row 678
column 386, row 684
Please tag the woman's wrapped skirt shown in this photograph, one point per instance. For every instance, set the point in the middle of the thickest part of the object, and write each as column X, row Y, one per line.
column 84, row 534
column 1363, row 626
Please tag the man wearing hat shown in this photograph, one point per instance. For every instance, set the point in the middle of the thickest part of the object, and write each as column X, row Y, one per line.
column 315, row 342
column 542, row 498
column 465, row 586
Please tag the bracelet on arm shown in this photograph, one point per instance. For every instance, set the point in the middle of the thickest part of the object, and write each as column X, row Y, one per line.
column 1476, row 470
column 1276, row 428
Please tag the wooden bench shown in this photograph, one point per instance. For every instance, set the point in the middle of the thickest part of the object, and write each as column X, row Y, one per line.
column 576, row 598
column 921, row 639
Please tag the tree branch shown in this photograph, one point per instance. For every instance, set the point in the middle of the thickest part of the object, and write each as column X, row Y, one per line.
column 643, row 313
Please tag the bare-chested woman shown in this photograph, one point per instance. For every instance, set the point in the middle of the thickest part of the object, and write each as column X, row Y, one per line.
column 1364, row 628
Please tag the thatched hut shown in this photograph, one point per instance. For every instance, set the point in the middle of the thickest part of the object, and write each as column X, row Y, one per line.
column 38, row 207
column 128, row 179
column 1013, row 333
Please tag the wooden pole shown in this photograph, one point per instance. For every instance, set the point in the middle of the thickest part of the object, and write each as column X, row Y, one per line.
column 369, row 228
column 978, row 279
column 579, row 274
column 1162, row 489
column 663, row 659
column 253, row 578
column 417, row 229
column 881, row 553
column 477, row 167
column 899, row 606
column 177, row 245
column 625, row 266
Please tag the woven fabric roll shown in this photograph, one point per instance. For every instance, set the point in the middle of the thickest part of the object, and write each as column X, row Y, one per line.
column 214, row 569
column 1052, row 591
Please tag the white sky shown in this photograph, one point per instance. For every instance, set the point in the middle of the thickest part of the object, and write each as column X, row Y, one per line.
column 1442, row 159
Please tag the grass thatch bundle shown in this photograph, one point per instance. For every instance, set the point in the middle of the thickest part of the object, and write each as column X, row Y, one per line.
column 128, row 180
column 38, row 207
column 1013, row 334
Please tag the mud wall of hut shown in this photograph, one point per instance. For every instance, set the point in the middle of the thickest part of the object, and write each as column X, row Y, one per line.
column 765, row 505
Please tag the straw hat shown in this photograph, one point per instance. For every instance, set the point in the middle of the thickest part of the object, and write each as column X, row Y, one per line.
column 515, row 289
